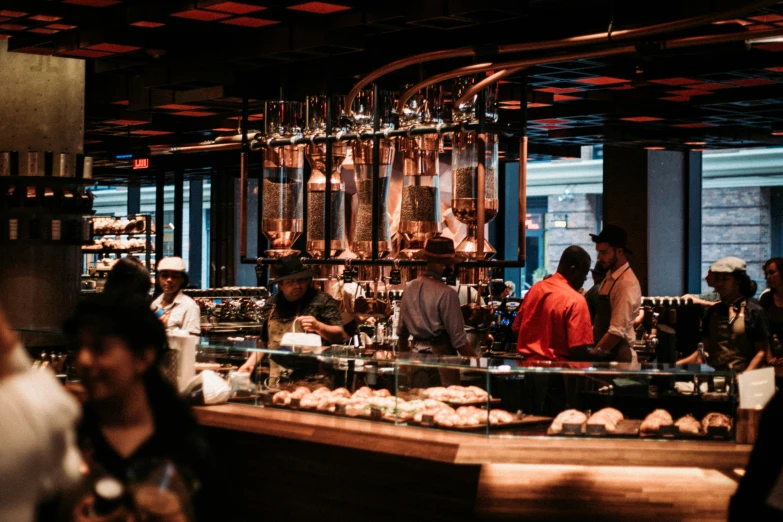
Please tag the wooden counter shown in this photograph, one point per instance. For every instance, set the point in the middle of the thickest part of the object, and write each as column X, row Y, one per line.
column 353, row 466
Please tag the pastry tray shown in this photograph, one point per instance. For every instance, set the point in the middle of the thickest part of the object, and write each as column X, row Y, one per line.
column 520, row 420
column 625, row 428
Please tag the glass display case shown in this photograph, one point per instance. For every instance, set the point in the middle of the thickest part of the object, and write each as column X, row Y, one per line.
column 495, row 397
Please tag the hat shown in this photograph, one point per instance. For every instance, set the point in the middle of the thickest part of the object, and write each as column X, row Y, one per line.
column 615, row 236
column 727, row 265
column 289, row 268
column 439, row 249
column 173, row 264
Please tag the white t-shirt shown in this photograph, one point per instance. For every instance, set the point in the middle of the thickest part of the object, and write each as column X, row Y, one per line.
column 184, row 314
column 38, row 453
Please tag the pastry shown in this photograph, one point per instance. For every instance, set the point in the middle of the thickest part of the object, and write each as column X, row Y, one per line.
column 716, row 420
column 688, row 425
column 281, row 397
column 608, row 417
column 653, row 422
column 567, row 417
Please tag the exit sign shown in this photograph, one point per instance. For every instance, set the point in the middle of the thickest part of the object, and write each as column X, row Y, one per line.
column 141, row 163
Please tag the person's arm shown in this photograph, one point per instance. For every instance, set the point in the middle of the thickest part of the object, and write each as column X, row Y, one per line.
column 762, row 348
column 191, row 321
column 698, row 300
column 451, row 317
column 330, row 332
column 579, row 330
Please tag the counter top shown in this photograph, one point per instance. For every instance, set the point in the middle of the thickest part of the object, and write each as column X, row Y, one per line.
column 456, row 448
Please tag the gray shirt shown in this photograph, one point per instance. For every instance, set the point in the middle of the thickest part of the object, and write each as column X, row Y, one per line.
column 185, row 314
column 429, row 308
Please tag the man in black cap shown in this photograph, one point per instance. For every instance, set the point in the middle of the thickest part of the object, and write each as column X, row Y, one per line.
column 296, row 301
column 430, row 311
column 619, row 298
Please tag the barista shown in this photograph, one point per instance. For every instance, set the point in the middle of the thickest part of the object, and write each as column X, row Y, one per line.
column 176, row 310
column 735, row 329
column 619, row 298
column 430, row 311
column 297, row 306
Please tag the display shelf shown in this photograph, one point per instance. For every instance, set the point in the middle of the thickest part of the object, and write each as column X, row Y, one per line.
column 147, row 234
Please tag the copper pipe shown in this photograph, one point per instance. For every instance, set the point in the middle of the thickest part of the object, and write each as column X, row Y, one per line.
column 522, row 230
column 641, row 32
column 243, row 171
column 576, row 41
column 481, row 192
column 200, row 147
column 463, row 52
column 489, row 80
column 472, row 69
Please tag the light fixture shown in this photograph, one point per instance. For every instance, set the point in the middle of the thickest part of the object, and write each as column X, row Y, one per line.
column 567, row 195
column 695, row 143
column 560, row 221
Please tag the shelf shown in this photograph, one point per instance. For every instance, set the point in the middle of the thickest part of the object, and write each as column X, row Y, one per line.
column 45, row 180
column 112, row 251
column 23, row 211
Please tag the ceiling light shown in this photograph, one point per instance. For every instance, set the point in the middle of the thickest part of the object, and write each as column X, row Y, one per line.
column 695, row 143
column 655, row 148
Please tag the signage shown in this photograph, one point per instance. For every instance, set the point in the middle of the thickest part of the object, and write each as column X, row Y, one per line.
column 141, row 163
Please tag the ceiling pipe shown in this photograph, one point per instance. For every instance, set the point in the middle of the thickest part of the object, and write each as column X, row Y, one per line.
column 670, row 44
column 472, row 69
column 576, row 41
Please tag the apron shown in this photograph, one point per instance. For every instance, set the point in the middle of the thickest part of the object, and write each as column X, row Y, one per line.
column 623, row 352
column 730, row 347
column 285, row 365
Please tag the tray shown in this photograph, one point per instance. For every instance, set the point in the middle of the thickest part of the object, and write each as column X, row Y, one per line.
column 521, row 420
column 712, row 433
column 625, row 428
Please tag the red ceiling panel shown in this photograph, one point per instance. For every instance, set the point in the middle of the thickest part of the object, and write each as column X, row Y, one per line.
column 4, row 19
column 642, row 119
column 147, row 25
column 693, row 125
column 690, row 92
column 624, row 87
column 113, row 48
column 739, row 21
column 561, row 90
column 775, row 69
column 5, row 36
column 759, row 27
column 564, row 97
column 13, row 27
column 235, row 8
column 247, row 21
column 775, row 47
column 550, row 121
column 676, row 98
column 43, row 30
column 84, row 53
column 710, row 86
column 46, row 51
column 319, row 7
column 61, row 27
column 753, row 82
column 602, row 80
column 121, row 102
column 178, row 107
column 767, row 18
column 125, row 122
column 45, row 18
column 143, row 132
column 193, row 113
column 12, row 14
column 535, row 105
column 675, row 81
column 92, row 3
column 198, row 14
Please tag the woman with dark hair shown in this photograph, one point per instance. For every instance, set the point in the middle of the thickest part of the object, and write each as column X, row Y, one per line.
column 128, row 275
column 134, row 420
column 734, row 329
column 772, row 302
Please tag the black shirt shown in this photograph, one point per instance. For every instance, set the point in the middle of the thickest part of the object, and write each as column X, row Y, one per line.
column 774, row 315
column 318, row 304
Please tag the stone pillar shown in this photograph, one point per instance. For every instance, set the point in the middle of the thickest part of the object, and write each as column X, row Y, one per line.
column 42, row 107
column 648, row 194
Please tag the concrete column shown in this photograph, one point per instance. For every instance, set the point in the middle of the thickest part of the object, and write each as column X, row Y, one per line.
column 42, row 107
column 649, row 194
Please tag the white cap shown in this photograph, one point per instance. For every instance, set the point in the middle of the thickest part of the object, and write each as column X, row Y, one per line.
column 175, row 264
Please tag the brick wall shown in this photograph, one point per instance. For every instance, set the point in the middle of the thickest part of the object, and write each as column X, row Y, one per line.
column 581, row 213
column 736, row 222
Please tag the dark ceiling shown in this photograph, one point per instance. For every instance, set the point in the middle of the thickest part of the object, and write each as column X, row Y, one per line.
column 169, row 72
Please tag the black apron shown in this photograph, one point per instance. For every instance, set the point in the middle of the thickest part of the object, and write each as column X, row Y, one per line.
column 622, row 352
column 729, row 344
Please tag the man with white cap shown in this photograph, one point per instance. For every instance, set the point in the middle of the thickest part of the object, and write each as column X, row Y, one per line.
column 175, row 309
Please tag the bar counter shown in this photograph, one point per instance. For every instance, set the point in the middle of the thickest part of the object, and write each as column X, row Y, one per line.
column 305, row 466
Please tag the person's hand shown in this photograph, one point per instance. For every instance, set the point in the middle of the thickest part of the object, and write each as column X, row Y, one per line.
column 310, row 324
column 248, row 366
column 82, row 513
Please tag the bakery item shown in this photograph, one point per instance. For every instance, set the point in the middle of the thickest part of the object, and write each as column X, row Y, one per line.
column 567, row 417
column 608, row 417
column 688, row 425
column 653, row 422
column 500, row 417
column 716, row 420
column 282, row 397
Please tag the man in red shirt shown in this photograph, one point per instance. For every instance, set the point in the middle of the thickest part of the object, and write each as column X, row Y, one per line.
column 553, row 322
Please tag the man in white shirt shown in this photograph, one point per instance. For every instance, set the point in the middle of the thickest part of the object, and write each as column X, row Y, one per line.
column 619, row 298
